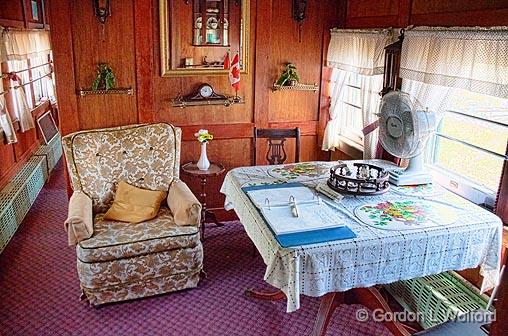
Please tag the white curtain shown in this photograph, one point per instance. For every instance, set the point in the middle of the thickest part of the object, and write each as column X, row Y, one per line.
column 333, row 127
column 5, row 119
column 22, row 44
column 474, row 59
column 22, row 108
column 359, row 52
column 371, row 86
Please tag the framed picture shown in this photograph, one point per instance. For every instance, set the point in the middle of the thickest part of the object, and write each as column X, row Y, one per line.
column 35, row 10
column 47, row 126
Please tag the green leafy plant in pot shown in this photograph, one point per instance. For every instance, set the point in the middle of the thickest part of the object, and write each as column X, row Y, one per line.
column 105, row 78
column 289, row 76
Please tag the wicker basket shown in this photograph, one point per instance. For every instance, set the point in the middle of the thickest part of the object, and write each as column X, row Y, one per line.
column 438, row 298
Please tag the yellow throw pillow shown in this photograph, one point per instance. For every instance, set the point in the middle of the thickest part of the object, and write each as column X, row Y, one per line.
column 134, row 205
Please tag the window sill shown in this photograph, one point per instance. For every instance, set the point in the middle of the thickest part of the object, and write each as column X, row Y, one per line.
column 463, row 187
column 351, row 148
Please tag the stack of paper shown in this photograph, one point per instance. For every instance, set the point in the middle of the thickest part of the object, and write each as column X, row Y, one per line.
column 324, row 189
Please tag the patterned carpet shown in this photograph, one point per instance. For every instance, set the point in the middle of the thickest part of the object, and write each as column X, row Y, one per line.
column 39, row 289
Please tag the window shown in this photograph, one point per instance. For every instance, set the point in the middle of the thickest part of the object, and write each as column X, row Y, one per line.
column 351, row 109
column 468, row 150
column 36, row 78
column 357, row 92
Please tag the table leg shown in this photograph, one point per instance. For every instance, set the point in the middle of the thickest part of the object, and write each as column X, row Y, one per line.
column 269, row 296
column 372, row 299
column 203, row 206
column 329, row 302
column 367, row 297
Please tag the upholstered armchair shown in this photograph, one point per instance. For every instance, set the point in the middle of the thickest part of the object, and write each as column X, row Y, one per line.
column 119, row 261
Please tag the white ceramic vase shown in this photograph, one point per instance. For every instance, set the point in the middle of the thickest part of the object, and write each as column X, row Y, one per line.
column 203, row 163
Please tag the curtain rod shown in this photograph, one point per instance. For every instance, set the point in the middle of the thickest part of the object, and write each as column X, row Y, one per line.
column 457, row 28
column 361, row 31
column 31, row 68
column 30, row 82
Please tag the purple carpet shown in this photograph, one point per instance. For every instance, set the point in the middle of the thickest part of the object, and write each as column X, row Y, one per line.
column 39, row 289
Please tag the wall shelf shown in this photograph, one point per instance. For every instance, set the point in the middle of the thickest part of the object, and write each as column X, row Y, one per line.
column 117, row 91
column 228, row 101
column 296, row 87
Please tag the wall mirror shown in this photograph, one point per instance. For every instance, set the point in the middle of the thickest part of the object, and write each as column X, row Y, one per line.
column 196, row 35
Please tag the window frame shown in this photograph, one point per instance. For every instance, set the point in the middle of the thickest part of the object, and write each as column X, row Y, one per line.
column 460, row 184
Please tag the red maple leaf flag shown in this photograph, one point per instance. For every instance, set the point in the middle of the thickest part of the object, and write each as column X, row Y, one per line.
column 234, row 73
column 226, row 61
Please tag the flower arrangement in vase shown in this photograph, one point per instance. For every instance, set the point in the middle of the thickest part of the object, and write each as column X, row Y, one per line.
column 204, row 137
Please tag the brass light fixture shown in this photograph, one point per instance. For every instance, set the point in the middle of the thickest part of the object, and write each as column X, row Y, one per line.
column 102, row 10
column 299, row 8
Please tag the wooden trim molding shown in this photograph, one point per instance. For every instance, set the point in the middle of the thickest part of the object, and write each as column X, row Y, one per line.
column 229, row 131
column 143, row 33
column 306, row 127
column 63, row 53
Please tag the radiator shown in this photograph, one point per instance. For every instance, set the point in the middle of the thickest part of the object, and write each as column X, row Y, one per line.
column 19, row 195
column 52, row 152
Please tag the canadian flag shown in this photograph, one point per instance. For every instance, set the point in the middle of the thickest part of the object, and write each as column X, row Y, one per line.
column 226, row 61
column 234, row 73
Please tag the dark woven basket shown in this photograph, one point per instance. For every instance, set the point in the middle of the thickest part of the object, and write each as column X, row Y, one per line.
column 365, row 179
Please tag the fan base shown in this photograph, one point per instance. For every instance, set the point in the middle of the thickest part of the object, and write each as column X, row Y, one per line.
column 403, row 177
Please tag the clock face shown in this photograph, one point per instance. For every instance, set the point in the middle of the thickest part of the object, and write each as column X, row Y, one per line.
column 205, row 91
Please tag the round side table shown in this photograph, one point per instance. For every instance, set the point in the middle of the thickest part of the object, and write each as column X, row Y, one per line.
column 192, row 170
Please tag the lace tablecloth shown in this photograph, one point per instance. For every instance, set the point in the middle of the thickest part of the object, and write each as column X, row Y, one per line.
column 378, row 255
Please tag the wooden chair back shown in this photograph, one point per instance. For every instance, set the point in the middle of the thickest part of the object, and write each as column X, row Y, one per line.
column 276, row 153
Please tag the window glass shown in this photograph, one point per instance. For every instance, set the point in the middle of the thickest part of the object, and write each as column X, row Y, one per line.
column 472, row 131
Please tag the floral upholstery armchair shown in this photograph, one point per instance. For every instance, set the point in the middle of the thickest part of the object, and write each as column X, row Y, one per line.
column 119, row 261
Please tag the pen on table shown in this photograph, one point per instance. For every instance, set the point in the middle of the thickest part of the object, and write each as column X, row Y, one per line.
column 294, row 208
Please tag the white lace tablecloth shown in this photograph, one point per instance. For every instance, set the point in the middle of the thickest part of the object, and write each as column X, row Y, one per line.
column 376, row 256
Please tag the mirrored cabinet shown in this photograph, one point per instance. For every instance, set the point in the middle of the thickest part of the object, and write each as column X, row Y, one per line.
column 196, row 35
column 211, row 23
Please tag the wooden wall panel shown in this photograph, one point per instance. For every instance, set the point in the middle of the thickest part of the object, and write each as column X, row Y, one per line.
column 368, row 8
column 11, row 13
column 116, row 48
column 132, row 48
column 459, row 13
column 401, row 13
column 8, row 160
column 291, row 105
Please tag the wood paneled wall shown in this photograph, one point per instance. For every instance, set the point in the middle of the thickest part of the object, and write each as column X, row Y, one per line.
column 131, row 47
column 402, row 13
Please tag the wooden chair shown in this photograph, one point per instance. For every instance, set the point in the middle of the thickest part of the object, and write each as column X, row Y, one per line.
column 276, row 153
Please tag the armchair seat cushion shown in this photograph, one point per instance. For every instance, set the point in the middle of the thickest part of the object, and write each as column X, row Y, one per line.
column 114, row 240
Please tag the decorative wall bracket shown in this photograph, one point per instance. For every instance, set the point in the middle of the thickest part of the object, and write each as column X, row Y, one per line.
column 118, row 91
column 181, row 102
column 297, row 87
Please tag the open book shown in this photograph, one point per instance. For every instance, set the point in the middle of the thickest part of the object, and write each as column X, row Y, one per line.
column 276, row 207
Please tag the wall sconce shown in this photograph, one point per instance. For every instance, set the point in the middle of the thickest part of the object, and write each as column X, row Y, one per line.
column 299, row 7
column 102, row 10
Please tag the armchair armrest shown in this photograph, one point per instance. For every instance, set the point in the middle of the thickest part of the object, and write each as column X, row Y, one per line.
column 184, row 205
column 79, row 222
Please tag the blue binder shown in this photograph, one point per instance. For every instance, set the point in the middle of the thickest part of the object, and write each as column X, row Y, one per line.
column 306, row 237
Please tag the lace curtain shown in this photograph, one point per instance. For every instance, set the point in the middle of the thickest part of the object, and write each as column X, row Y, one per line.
column 474, row 59
column 17, row 46
column 22, row 45
column 360, row 52
column 5, row 119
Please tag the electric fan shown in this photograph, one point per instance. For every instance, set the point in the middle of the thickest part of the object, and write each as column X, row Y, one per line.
column 404, row 129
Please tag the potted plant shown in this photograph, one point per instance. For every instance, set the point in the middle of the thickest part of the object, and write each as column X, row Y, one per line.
column 289, row 76
column 105, row 78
